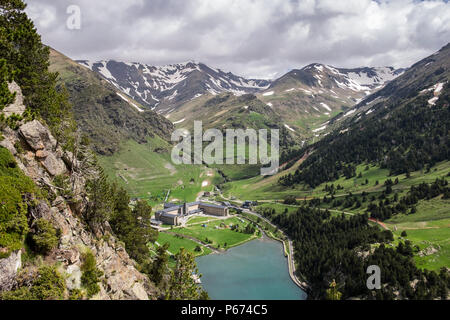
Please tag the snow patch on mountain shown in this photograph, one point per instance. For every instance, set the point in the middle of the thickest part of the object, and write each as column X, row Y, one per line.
column 349, row 112
column 172, row 85
column 179, row 121
column 319, row 129
column 325, row 106
column 130, row 103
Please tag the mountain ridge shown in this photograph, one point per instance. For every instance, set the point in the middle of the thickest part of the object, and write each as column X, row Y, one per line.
column 417, row 102
column 160, row 87
column 102, row 112
column 166, row 88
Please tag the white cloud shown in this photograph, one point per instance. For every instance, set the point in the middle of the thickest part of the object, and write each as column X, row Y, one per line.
column 260, row 38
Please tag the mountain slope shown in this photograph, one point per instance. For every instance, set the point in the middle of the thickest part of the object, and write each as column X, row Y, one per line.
column 424, row 77
column 307, row 98
column 164, row 88
column 228, row 111
column 105, row 114
column 405, row 130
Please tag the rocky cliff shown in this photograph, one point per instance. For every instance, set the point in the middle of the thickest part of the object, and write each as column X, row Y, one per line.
column 40, row 157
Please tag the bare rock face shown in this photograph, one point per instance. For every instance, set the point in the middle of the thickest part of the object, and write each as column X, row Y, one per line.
column 44, row 154
column 55, row 166
column 37, row 136
column 17, row 106
column 120, row 280
column 428, row 251
column 8, row 270
column 73, row 280
column 9, row 138
column 42, row 161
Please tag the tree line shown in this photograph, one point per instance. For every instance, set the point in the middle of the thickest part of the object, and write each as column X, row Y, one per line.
column 401, row 138
column 338, row 249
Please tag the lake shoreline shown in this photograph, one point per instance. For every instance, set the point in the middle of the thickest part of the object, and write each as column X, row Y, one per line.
column 253, row 270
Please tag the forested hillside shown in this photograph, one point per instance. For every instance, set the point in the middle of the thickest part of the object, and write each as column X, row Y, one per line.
column 336, row 250
column 400, row 134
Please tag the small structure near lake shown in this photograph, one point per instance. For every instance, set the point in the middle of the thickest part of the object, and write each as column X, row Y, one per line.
column 174, row 214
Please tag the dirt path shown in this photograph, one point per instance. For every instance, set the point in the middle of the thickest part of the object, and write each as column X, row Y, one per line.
column 379, row 223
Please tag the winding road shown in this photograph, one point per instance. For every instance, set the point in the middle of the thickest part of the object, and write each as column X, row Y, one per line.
column 290, row 257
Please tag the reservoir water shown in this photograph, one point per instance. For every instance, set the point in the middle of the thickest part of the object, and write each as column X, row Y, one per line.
column 256, row 270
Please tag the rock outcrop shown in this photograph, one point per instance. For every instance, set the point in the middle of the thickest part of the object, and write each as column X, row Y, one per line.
column 38, row 155
column 17, row 106
column 121, row 280
column 37, row 136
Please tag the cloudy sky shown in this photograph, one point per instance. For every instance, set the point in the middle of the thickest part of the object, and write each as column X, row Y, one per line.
column 253, row 38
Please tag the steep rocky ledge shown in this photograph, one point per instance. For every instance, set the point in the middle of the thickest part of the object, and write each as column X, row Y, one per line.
column 38, row 155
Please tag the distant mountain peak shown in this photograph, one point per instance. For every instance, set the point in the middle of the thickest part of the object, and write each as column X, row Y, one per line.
column 166, row 87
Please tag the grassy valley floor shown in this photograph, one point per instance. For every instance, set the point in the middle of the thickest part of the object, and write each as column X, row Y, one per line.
column 428, row 228
column 146, row 172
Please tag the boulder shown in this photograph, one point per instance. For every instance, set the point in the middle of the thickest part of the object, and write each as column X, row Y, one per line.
column 137, row 292
column 55, row 166
column 41, row 154
column 37, row 136
column 8, row 145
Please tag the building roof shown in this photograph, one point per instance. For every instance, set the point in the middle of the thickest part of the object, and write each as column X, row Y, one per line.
column 154, row 221
column 171, row 215
column 171, row 207
column 212, row 205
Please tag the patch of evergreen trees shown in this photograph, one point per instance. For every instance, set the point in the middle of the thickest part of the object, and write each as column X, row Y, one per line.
column 401, row 138
column 406, row 205
column 329, row 249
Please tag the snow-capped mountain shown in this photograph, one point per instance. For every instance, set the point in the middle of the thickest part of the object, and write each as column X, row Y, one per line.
column 324, row 77
column 426, row 78
column 164, row 88
column 324, row 90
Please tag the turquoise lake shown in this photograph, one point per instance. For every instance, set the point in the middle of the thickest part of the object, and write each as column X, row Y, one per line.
column 256, row 270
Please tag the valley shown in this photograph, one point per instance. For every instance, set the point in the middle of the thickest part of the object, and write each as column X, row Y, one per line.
column 333, row 179
column 313, row 107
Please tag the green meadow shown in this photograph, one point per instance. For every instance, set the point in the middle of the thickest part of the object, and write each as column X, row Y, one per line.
column 267, row 188
column 147, row 172
column 217, row 232
column 428, row 227
column 177, row 242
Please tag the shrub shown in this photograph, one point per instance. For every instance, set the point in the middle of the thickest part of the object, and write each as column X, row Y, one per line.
column 76, row 294
column 13, row 209
column 290, row 200
column 91, row 274
column 45, row 238
column 64, row 185
column 47, row 285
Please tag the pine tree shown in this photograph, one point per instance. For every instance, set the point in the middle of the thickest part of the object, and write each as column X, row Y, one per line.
column 182, row 285
column 23, row 52
column 159, row 266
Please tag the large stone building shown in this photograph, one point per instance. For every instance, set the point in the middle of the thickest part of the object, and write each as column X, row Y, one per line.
column 174, row 214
